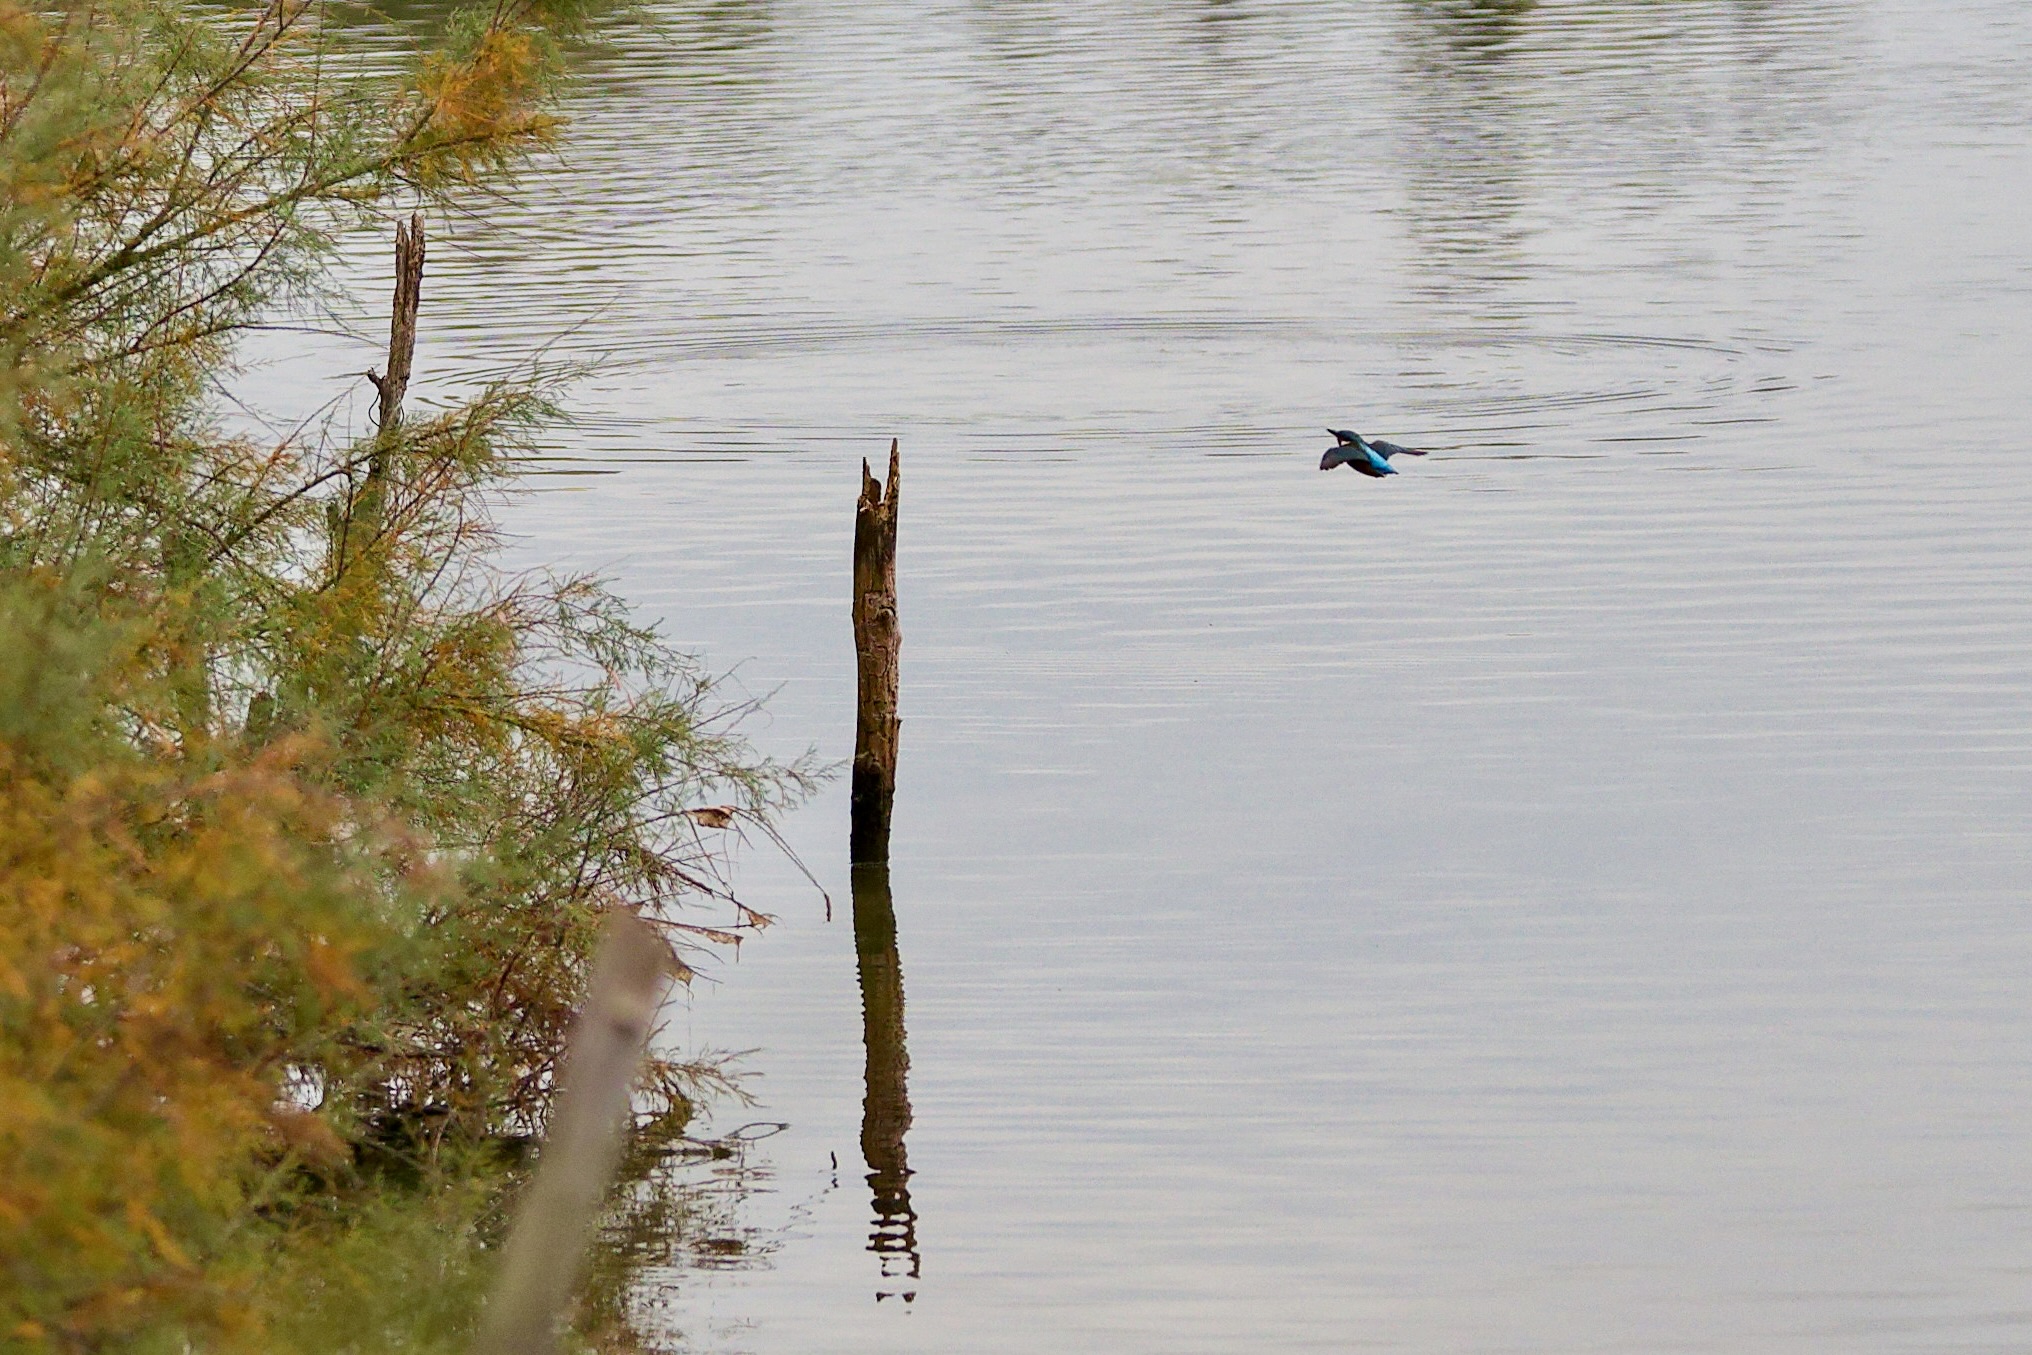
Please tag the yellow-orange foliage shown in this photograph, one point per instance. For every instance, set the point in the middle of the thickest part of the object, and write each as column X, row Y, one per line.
column 167, row 945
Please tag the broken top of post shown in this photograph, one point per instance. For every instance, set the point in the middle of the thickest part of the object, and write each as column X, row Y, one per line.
column 877, row 508
column 878, row 643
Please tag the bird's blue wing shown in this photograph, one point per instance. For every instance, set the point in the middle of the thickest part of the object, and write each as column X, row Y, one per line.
column 1389, row 449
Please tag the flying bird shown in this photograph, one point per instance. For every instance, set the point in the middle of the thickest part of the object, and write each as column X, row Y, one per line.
column 1370, row 456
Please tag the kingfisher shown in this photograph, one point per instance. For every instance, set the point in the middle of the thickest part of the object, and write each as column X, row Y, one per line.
column 1370, row 456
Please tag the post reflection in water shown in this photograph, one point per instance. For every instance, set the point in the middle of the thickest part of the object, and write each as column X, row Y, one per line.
column 885, row 1113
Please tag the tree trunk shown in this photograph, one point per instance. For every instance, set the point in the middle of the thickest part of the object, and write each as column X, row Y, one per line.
column 402, row 321
column 359, row 525
column 878, row 641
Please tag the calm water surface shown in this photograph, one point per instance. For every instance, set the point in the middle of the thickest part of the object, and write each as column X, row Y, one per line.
column 1571, row 896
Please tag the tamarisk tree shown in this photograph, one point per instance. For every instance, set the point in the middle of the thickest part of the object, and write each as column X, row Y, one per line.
column 308, row 810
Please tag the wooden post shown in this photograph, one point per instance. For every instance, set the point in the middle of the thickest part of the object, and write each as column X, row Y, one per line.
column 885, row 1109
column 878, row 641
column 359, row 527
column 402, row 321
column 554, row 1221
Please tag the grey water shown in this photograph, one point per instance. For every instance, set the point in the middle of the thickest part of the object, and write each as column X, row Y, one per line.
column 1569, row 896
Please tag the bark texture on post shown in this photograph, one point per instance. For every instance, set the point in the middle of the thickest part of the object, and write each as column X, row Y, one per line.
column 878, row 641
column 885, row 1110
column 555, row 1219
column 402, row 321
column 364, row 519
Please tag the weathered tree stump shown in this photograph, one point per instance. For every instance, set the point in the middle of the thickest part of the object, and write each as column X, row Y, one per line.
column 878, row 641
column 360, row 525
column 401, row 322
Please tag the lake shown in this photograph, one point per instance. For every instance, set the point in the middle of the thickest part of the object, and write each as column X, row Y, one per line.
column 1569, row 896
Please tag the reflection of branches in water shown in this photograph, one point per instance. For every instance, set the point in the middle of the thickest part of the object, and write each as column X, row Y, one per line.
column 683, row 1208
column 885, row 1113
column 712, row 1178
column 685, row 1204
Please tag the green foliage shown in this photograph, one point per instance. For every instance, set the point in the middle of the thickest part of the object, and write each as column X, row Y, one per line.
column 308, row 812
column 391, row 1274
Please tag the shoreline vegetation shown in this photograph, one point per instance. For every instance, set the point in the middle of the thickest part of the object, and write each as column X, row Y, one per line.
column 309, row 810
